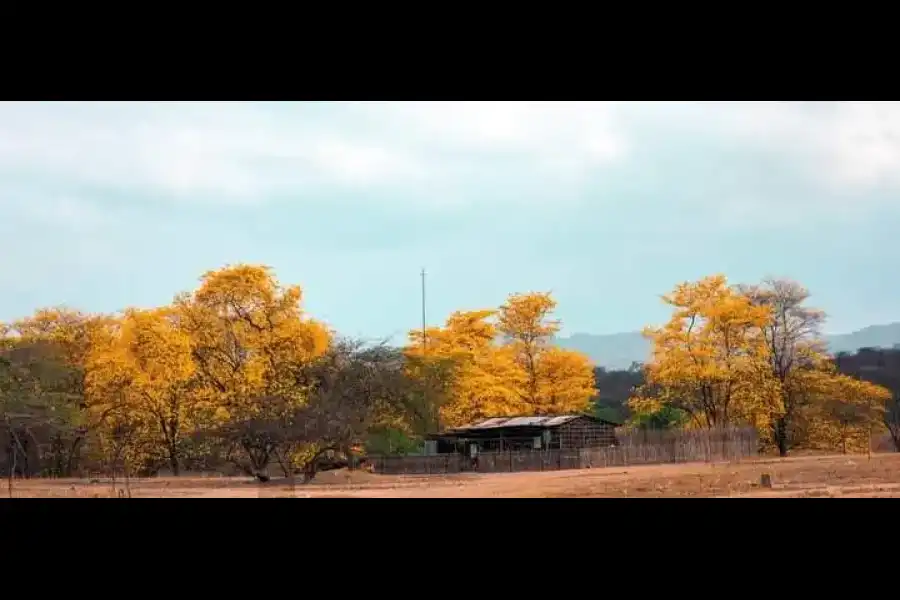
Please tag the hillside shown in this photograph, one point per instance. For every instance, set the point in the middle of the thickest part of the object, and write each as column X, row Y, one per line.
column 619, row 350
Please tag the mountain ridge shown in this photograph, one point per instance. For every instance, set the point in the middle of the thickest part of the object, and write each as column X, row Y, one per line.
column 619, row 350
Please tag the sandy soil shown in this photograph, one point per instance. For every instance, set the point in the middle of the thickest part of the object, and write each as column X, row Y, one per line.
column 830, row 476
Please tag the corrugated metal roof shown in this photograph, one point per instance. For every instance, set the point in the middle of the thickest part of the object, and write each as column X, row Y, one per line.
column 545, row 421
column 488, row 423
column 559, row 420
column 525, row 421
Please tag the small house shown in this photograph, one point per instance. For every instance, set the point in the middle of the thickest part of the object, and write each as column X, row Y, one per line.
column 500, row 434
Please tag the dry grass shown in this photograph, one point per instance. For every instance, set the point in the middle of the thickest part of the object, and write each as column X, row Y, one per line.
column 801, row 477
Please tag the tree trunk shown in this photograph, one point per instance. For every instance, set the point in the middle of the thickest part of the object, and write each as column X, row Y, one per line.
column 127, row 474
column 780, row 431
column 26, row 467
column 259, row 475
column 12, row 471
column 173, row 462
column 312, row 466
column 56, row 449
column 259, row 459
column 349, row 454
column 260, row 466
column 895, row 437
column 287, row 469
column 284, row 463
column 72, row 459
column 15, row 446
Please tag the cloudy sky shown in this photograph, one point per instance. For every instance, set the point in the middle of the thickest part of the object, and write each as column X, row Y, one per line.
column 608, row 205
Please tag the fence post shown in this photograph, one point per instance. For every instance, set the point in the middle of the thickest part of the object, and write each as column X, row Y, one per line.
column 869, row 445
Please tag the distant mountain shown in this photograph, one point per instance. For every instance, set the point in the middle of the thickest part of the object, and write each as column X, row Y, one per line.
column 613, row 351
column 873, row 336
column 619, row 350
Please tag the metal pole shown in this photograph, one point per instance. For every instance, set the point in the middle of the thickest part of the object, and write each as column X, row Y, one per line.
column 424, row 326
column 437, row 416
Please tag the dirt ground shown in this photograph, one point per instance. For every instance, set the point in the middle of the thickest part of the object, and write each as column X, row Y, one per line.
column 829, row 476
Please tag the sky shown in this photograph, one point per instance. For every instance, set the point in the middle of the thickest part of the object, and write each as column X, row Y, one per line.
column 607, row 205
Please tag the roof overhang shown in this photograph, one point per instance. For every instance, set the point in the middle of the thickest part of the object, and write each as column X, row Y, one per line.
column 512, row 427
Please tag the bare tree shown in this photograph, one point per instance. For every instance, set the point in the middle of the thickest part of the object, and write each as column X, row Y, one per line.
column 35, row 407
column 795, row 341
column 38, row 407
column 346, row 393
column 354, row 388
column 119, row 446
column 251, row 443
column 892, row 419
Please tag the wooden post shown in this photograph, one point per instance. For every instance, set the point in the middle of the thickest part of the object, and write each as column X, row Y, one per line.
column 869, row 447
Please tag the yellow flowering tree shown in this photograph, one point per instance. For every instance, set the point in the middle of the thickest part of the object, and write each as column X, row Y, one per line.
column 709, row 360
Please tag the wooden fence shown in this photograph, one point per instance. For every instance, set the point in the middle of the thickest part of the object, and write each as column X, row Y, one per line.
column 634, row 448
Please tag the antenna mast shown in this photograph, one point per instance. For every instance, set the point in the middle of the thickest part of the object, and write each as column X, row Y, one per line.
column 424, row 335
column 437, row 415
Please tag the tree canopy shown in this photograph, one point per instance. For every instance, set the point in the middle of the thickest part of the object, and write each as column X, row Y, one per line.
column 236, row 375
column 753, row 355
column 503, row 362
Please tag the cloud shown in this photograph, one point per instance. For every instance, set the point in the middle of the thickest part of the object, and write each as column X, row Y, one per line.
column 111, row 204
column 733, row 162
column 847, row 146
column 247, row 152
column 536, row 131
column 182, row 151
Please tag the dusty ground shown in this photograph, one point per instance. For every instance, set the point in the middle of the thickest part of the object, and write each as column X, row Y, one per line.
column 831, row 476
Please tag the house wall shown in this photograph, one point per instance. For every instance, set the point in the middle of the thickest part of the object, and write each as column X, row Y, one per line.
column 576, row 434
column 732, row 444
column 583, row 433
